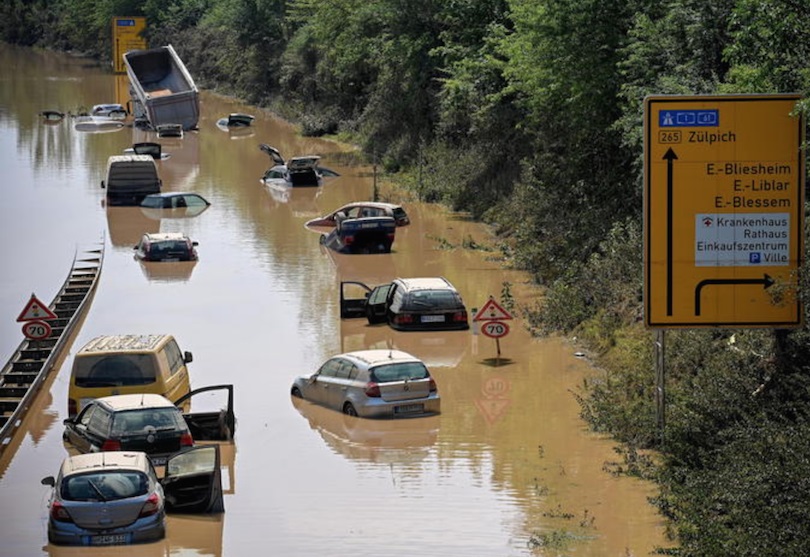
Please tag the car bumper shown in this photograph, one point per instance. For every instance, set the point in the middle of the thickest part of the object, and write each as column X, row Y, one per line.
column 379, row 408
column 148, row 529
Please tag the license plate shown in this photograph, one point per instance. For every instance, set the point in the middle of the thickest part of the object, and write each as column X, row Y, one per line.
column 171, row 260
column 109, row 539
column 158, row 460
column 409, row 408
column 433, row 319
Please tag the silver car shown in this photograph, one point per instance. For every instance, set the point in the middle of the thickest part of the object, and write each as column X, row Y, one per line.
column 372, row 384
column 115, row 497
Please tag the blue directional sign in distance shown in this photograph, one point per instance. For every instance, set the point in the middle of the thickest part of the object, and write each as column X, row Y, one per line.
column 688, row 118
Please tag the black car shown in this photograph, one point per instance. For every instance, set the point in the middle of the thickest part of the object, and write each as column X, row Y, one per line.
column 149, row 423
column 406, row 304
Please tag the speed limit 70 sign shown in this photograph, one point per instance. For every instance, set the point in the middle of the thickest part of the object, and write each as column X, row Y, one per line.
column 494, row 329
column 36, row 330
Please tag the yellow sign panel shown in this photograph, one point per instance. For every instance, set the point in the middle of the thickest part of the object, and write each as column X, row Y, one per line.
column 723, row 211
column 127, row 34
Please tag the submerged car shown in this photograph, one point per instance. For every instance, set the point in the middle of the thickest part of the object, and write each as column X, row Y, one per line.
column 166, row 246
column 113, row 110
column 149, row 423
column 174, row 200
column 372, row 384
column 406, row 304
column 361, row 235
column 116, row 498
column 235, row 120
column 361, row 209
column 297, row 171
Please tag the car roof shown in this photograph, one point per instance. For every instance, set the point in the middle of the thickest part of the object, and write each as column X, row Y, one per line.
column 124, row 343
column 165, row 236
column 172, row 194
column 105, row 460
column 135, row 401
column 371, row 358
column 380, row 204
column 426, row 283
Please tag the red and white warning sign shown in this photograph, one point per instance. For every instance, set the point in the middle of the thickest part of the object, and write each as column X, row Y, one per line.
column 492, row 311
column 35, row 311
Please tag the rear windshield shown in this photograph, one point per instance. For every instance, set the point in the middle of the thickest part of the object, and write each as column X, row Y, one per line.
column 399, row 372
column 114, row 370
column 105, row 486
column 152, row 202
column 169, row 246
column 147, row 420
column 432, row 299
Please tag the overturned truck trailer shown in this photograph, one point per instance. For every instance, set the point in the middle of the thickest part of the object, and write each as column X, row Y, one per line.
column 161, row 88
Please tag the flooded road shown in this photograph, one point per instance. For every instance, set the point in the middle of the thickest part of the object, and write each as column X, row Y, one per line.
column 507, row 469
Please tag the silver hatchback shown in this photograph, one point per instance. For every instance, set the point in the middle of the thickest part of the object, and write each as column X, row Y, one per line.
column 372, row 384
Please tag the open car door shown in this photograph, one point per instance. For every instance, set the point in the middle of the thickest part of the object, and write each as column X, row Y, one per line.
column 358, row 300
column 211, row 425
column 193, row 481
column 272, row 152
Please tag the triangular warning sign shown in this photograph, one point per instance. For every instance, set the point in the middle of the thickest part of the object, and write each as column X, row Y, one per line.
column 492, row 409
column 35, row 310
column 492, row 312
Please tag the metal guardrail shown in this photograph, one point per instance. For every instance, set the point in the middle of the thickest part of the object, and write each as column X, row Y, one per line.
column 29, row 366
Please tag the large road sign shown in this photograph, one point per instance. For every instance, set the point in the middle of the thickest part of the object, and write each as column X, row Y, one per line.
column 127, row 34
column 723, row 211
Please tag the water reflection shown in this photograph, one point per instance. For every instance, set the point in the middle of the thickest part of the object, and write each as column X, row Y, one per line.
column 127, row 224
column 167, row 271
column 400, row 443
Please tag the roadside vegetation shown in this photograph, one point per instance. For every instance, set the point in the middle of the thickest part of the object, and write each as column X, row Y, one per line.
column 528, row 115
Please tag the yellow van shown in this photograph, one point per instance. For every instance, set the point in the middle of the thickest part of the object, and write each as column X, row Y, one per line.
column 126, row 364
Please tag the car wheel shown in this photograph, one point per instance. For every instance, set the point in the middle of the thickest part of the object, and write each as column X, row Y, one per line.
column 349, row 409
column 296, row 392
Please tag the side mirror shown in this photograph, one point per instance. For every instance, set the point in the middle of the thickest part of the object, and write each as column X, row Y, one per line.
column 50, row 480
column 102, row 184
column 68, row 421
column 195, row 243
column 188, row 357
column 134, row 247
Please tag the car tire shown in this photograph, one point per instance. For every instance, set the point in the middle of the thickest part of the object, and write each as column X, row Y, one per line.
column 349, row 409
column 296, row 392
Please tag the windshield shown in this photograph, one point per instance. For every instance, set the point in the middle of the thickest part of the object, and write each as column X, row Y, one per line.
column 114, row 370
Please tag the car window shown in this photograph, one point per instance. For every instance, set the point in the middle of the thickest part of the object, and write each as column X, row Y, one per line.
column 173, row 356
column 399, row 372
column 152, row 202
column 345, row 369
column 399, row 213
column 113, row 371
column 330, row 368
column 99, row 422
column 194, row 200
column 84, row 417
column 136, row 421
column 379, row 294
column 105, row 486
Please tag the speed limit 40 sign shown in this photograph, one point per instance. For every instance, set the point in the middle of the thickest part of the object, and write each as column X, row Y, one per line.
column 494, row 329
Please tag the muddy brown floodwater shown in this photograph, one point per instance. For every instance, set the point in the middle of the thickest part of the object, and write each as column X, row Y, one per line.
column 507, row 469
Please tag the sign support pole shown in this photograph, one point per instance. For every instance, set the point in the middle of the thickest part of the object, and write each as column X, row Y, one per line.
column 660, row 380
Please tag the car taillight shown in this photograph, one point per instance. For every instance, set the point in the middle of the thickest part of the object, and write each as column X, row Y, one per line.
column 186, row 440
column 59, row 512
column 403, row 318
column 373, row 390
column 111, row 445
column 73, row 408
column 433, row 387
column 348, row 240
column 460, row 317
column 151, row 506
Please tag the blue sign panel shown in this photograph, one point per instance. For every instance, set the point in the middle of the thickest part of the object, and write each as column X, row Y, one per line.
column 689, row 118
column 125, row 22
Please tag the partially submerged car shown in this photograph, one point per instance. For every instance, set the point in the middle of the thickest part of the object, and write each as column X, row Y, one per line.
column 235, row 120
column 166, row 246
column 361, row 235
column 406, row 304
column 149, row 423
column 154, row 150
column 298, row 171
column 372, row 384
column 97, row 124
column 112, row 110
column 116, row 498
column 360, row 209
column 178, row 203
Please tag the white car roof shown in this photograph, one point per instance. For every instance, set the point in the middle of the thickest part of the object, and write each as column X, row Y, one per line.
column 130, row 460
column 371, row 358
column 166, row 236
